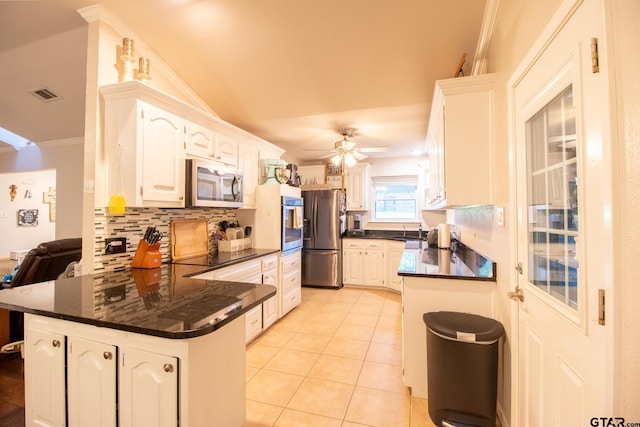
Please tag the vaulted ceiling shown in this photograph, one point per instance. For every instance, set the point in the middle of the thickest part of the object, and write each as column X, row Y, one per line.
column 291, row 72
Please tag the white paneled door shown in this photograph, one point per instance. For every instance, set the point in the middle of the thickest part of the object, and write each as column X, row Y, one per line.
column 562, row 147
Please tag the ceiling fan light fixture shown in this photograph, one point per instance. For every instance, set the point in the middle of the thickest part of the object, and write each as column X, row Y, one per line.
column 349, row 159
column 336, row 160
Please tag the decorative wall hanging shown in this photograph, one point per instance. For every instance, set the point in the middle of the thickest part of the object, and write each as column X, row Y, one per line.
column 27, row 194
column 13, row 191
column 27, row 217
column 50, row 198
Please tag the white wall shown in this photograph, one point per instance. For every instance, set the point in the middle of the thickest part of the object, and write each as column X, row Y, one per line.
column 28, row 195
column 66, row 159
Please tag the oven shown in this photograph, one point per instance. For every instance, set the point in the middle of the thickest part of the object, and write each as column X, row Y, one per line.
column 292, row 223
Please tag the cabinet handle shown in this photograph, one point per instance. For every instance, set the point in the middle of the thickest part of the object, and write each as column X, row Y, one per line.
column 168, row 367
column 107, row 355
column 180, row 197
column 55, row 343
column 254, row 322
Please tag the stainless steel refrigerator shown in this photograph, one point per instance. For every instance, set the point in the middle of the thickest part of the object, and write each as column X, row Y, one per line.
column 324, row 223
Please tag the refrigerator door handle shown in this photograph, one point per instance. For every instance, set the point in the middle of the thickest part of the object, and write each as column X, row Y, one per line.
column 314, row 213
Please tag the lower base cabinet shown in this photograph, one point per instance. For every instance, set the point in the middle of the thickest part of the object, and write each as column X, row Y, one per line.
column 155, row 381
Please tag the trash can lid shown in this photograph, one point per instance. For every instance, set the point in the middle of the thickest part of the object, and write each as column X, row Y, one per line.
column 463, row 326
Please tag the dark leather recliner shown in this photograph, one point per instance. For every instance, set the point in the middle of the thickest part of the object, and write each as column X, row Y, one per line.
column 45, row 262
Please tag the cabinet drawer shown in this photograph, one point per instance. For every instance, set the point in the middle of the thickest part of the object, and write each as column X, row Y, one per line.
column 290, row 280
column 293, row 261
column 291, row 299
column 373, row 245
column 351, row 244
column 254, row 322
column 269, row 263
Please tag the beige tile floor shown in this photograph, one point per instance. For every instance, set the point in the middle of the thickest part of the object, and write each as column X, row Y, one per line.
column 335, row 360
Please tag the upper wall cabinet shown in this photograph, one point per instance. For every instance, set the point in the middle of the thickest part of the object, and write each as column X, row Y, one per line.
column 459, row 142
column 357, row 187
column 144, row 149
column 148, row 134
column 209, row 143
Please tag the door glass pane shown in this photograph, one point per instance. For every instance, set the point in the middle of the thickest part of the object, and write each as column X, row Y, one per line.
column 552, row 197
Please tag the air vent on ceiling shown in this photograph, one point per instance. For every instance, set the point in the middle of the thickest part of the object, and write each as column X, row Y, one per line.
column 45, row 94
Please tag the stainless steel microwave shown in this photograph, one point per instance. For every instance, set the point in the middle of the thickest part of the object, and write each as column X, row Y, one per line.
column 209, row 185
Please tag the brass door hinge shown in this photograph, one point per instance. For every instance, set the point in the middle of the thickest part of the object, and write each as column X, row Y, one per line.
column 601, row 307
column 595, row 66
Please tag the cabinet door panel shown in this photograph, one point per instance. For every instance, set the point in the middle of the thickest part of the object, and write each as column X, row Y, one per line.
column 44, row 379
column 352, row 266
column 200, row 141
column 91, row 376
column 373, row 267
column 148, row 389
column 163, row 155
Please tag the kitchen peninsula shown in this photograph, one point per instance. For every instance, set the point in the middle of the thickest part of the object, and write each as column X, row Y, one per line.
column 451, row 279
column 136, row 347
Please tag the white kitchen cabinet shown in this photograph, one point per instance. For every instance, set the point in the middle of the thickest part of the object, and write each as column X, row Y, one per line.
column 149, row 381
column 357, row 187
column 209, row 142
column 261, row 270
column 393, row 253
column 249, row 165
column 144, row 152
column 91, row 382
column 226, row 149
column 459, row 142
column 151, row 371
column 363, row 262
column 270, row 277
column 290, row 282
column 44, row 371
column 200, row 141
column 254, row 323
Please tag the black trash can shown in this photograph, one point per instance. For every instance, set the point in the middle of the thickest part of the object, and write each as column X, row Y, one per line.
column 462, row 368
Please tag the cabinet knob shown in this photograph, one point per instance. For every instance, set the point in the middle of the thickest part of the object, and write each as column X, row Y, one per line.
column 168, row 367
column 180, row 197
column 55, row 343
column 107, row 355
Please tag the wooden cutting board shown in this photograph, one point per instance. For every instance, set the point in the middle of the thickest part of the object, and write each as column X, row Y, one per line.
column 189, row 238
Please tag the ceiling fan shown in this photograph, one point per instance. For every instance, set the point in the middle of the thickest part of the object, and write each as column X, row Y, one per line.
column 346, row 150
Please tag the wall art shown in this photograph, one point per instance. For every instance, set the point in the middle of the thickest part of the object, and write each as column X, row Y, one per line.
column 27, row 217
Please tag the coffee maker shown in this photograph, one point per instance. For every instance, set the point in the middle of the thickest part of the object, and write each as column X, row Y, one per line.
column 356, row 228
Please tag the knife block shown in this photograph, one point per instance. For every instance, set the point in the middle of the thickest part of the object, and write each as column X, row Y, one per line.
column 147, row 255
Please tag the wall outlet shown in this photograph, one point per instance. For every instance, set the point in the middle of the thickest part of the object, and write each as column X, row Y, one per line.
column 115, row 245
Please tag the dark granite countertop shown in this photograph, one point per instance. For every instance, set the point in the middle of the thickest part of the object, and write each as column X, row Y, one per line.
column 163, row 302
column 457, row 262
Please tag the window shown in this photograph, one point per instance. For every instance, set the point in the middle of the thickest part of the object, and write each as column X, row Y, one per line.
column 395, row 198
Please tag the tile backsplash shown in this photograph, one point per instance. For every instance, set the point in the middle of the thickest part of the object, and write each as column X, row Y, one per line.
column 133, row 223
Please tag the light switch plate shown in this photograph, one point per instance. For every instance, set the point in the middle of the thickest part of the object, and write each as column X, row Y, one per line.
column 500, row 216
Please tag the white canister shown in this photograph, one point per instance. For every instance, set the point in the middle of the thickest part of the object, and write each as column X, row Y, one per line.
column 444, row 235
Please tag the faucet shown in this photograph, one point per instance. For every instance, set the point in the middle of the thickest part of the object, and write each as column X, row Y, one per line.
column 404, row 231
column 420, row 232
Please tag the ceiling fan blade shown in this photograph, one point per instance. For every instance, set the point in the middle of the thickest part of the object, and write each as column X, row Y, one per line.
column 373, row 149
column 359, row 156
